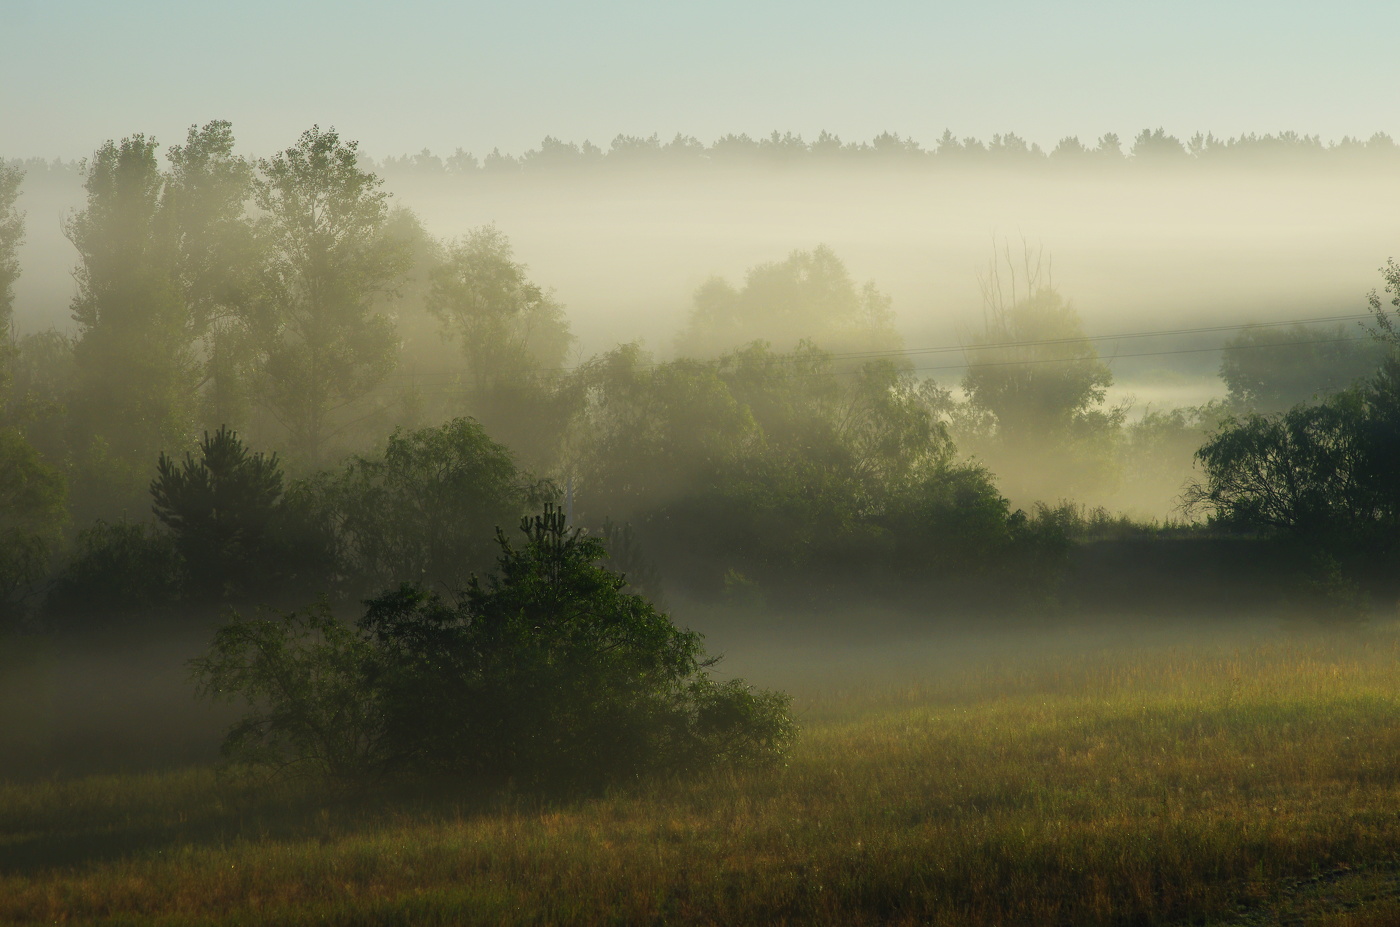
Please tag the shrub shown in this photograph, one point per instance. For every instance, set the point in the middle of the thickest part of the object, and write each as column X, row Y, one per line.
column 547, row 674
column 119, row 567
column 424, row 510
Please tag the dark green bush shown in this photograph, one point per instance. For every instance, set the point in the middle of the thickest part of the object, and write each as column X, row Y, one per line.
column 423, row 511
column 548, row 674
column 116, row 568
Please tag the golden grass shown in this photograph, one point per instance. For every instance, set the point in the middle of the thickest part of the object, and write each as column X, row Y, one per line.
column 1199, row 784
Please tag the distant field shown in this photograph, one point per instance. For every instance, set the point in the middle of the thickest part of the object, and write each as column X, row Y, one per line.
column 1254, row 781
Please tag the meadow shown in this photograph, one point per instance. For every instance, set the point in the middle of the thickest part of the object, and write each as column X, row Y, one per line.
column 1242, row 778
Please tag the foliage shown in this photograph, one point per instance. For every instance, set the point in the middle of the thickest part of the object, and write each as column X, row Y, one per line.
column 1322, row 480
column 785, row 471
column 1386, row 330
column 1273, row 369
column 808, row 296
column 1032, row 369
column 424, row 510
column 308, row 681
column 319, row 345
column 32, row 496
column 1300, row 471
column 222, row 510
column 549, row 673
column 509, row 328
column 217, row 256
column 1035, row 390
column 11, row 237
column 1157, row 452
column 136, row 370
column 42, row 374
column 512, row 334
column 116, row 568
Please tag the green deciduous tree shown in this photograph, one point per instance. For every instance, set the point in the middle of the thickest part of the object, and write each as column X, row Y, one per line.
column 320, row 346
column 1273, row 369
column 1301, row 471
column 11, row 237
column 509, row 328
column 136, row 371
column 32, row 515
column 514, row 337
column 32, row 493
column 424, row 510
column 205, row 206
column 808, row 296
column 1325, row 471
column 1035, row 391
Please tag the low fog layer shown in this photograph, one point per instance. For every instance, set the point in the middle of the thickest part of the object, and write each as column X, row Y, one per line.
column 1133, row 250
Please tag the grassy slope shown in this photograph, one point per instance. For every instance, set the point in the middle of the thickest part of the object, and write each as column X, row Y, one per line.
column 1246, row 783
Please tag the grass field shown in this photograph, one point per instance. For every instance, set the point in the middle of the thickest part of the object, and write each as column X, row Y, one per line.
column 1249, row 780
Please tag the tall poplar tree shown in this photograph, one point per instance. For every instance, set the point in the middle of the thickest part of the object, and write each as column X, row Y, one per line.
column 320, row 345
column 136, row 369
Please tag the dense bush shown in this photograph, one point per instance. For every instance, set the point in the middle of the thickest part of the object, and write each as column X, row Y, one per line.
column 547, row 674
column 1324, row 471
column 423, row 510
column 115, row 568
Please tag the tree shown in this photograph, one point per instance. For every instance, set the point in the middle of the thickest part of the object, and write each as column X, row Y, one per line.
column 773, row 465
column 1273, row 369
column 32, row 494
column 1301, row 471
column 1324, row 471
column 11, row 237
column 320, row 347
column 808, row 296
column 424, row 510
column 1035, row 389
column 1387, row 330
column 514, row 337
column 204, row 204
column 164, row 274
column 137, row 373
column 547, row 674
column 509, row 328
column 222, row 512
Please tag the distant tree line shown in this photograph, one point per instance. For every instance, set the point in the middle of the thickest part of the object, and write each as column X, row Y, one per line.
column 1147, row 147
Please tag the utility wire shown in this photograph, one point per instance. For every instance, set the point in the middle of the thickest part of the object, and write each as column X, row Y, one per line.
column 791, row 376
column 556, row 373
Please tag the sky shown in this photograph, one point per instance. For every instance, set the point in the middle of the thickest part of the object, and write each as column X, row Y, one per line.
column 478, row 76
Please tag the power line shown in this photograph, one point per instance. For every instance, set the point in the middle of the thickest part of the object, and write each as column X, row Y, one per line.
column 556, row 373
column 446, row 391
column 1070, row 360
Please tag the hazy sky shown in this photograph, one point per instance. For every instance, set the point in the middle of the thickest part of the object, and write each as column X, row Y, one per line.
column 475, row 75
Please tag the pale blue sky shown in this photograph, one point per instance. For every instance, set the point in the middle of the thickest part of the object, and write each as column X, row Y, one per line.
column 418, row 74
